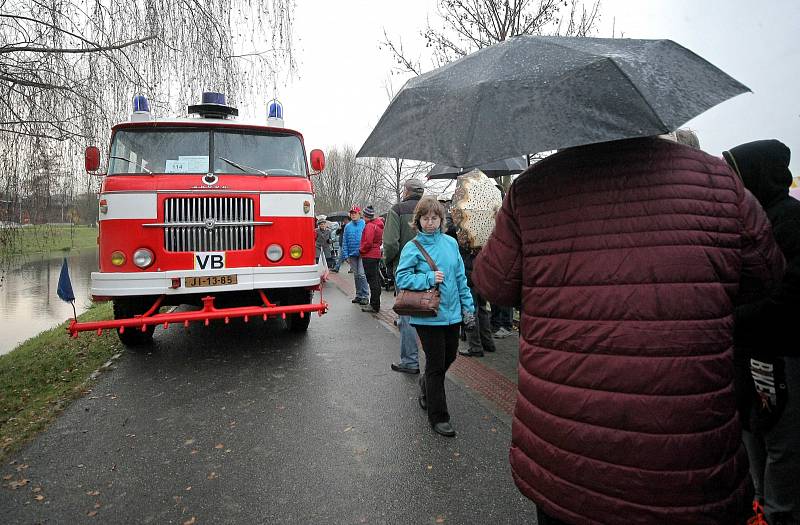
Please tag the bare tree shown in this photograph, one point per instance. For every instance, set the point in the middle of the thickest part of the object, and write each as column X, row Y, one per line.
column 67, row 65
column 346, row 182
column 390, row 175
column 69, row 68
column 465, row 26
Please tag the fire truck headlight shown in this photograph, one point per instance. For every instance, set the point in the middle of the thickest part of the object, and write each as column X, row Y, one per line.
column 296, row 251
column 117, row 258
column 274, row 252
column 143, row 258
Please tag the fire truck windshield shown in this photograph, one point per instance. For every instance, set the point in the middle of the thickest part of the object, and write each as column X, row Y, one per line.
column 191, row 150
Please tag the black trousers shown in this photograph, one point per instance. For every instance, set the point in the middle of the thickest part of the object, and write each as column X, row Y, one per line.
column 374, row 281
column 440, row 344
column 502, row 317
column 480, row 338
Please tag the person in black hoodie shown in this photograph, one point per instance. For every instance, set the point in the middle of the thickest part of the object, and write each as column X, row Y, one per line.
column 768, row 328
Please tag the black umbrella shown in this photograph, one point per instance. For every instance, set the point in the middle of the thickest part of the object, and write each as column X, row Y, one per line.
column 532, row 93
column 498, row 168
column 338, row 216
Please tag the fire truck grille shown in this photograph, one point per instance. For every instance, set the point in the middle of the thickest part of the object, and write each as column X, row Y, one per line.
column 208, row 224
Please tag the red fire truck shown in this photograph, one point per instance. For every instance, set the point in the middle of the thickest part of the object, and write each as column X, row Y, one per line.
column 205, row 211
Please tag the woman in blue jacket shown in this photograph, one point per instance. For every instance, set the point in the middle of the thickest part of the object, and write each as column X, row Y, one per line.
column 439, row 335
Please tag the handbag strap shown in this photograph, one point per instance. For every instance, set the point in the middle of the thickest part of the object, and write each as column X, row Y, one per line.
column 427, row 257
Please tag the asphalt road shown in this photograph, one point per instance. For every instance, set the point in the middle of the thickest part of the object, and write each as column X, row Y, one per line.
column 247, row 423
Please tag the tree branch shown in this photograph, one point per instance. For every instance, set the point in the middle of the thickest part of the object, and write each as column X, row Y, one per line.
column 36, row 49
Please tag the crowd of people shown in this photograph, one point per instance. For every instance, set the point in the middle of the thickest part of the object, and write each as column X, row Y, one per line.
column 657, row 287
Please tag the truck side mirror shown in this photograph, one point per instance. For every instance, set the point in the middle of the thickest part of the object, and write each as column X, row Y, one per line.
column 317, row 160
column 92, row 158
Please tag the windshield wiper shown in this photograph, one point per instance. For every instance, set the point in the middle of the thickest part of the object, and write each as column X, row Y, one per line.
column 132, row 162
column 244, row 167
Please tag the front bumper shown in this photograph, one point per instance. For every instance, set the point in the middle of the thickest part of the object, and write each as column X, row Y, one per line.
column 160, row 283
column 208, row 313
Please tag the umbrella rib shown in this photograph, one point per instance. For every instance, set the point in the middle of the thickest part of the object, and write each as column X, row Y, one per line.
column 554, row 41
column 641, row 96
column 474, row 117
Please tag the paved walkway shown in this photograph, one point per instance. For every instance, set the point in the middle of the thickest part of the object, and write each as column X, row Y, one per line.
column 492, row 377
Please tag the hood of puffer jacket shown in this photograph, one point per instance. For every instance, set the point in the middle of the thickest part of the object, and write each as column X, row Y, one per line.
column 763, row 166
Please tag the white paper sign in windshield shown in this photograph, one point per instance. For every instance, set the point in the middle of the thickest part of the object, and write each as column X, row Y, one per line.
column 188, row 164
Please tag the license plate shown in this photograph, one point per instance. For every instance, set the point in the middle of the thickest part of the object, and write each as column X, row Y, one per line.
column 211, row 280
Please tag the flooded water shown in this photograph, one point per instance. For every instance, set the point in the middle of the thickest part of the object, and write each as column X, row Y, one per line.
column 28, row 300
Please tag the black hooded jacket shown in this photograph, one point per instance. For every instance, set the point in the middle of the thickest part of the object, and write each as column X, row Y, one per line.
column 763, row 166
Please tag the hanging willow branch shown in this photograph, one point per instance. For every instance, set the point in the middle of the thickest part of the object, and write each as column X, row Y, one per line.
column 69, row 68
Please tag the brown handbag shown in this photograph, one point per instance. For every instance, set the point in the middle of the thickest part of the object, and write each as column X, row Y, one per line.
column 419, row 303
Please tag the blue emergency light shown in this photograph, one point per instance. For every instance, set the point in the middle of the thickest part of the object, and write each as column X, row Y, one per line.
column 210, row 97
column 141, row 109
column 275, row 110
column 140, row 104
column 213, row 106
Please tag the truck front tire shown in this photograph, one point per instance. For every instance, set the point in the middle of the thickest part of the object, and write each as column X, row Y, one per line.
column 295, row 323
column 127, row 307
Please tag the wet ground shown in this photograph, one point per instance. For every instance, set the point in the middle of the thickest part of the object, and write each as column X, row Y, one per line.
column 251, row 424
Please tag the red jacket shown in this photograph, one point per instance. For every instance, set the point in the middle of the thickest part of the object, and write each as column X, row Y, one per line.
column 627, row 259
column 371, row 239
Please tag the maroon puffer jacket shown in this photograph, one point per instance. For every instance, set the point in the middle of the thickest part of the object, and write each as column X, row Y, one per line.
column 626, row 258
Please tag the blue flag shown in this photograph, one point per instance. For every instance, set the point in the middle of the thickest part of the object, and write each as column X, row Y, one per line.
column 64, row 284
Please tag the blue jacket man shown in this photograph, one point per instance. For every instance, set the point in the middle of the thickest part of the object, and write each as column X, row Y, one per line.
column 351, row 242
column 351, row 238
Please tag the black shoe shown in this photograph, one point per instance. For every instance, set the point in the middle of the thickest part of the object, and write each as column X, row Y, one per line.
column 471, row 353
column 363, row 301
column 370, row 309
column 423, row 403
column 444, row 428
column 356, row 300
column 404, row 369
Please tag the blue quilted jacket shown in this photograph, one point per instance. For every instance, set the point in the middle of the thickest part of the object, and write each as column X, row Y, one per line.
column 351, row 238
column 414, row 273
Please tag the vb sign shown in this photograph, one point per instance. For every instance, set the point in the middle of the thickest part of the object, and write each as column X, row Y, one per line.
column 209, row 260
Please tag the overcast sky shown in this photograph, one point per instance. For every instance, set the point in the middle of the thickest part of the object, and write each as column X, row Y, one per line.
column 340, row 91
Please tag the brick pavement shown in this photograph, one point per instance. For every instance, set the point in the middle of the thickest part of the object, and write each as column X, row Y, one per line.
column 492, row 377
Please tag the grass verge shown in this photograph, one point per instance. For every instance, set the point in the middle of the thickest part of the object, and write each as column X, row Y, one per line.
column 46, row 238
column 41, row 376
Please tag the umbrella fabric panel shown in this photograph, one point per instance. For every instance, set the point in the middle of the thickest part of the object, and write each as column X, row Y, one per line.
column 586, row 113
column 691, row 82
column 531, row 94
